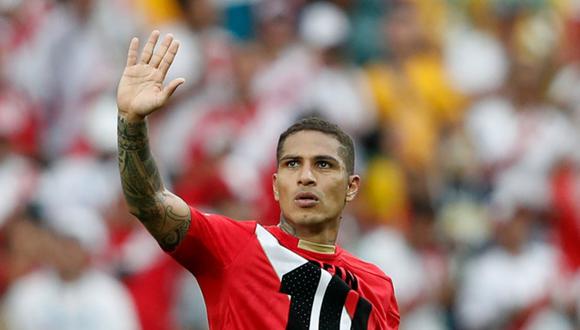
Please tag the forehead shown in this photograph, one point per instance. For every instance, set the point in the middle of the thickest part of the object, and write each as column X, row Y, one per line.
column 311, row 143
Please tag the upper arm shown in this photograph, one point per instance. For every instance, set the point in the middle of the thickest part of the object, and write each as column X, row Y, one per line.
column 168, row 219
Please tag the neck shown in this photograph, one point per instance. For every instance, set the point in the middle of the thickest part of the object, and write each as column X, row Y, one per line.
column 71, row 275
column 321, row 234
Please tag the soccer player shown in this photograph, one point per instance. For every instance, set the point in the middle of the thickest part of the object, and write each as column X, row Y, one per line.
column 290, row 276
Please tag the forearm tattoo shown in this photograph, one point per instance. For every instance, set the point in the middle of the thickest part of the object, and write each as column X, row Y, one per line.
column 142, row 186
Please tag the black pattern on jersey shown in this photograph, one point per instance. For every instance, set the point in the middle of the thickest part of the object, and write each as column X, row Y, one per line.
column 301, row 284
column 334, row 299
column 361, row 316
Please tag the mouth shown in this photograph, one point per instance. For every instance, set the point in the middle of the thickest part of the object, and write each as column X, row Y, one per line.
column 306, row 199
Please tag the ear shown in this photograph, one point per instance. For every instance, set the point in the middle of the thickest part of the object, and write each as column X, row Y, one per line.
column 275, row 187
column 352, row 189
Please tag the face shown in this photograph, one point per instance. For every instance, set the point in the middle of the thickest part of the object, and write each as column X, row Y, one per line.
column 277, row 32
column 202, row 13
column 402, row 29
column 68, row 257
column 514, row 234
column 312, row 184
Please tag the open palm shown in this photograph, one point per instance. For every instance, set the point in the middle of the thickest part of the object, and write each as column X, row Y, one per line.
column 141, row 89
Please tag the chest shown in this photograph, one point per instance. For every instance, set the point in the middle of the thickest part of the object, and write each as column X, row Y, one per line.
column 271, row 286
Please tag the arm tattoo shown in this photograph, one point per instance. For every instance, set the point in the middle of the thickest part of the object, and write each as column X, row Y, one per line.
column 142, row 186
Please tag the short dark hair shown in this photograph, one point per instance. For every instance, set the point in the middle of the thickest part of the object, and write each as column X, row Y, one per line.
column 320, row 125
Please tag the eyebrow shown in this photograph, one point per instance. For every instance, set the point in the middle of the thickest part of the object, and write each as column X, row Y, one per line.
column 327, row 158
column 316, row 158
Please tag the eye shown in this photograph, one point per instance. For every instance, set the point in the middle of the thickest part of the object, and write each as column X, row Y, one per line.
column 292, row 163
column 323, row 164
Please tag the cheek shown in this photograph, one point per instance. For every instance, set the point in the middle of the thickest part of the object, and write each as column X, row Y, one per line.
column 337, row 191
column 284, row 194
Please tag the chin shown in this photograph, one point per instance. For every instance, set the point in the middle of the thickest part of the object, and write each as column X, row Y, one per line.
column 307, row 217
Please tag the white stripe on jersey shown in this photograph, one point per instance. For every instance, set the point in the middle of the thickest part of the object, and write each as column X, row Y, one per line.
column 345, row 320
column 317, row 305
column 284, row 260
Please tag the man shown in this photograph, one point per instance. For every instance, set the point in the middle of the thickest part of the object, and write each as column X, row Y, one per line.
column 290, row 276
column 70, row 293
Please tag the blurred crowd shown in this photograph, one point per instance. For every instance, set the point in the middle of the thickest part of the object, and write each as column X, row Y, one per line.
column 465, row 116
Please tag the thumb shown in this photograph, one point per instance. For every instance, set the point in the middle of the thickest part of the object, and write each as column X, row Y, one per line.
column 171, row 87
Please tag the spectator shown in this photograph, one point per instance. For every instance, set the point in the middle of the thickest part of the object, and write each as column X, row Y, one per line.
column 71, row 293
column 418, row 265
column 511, row 284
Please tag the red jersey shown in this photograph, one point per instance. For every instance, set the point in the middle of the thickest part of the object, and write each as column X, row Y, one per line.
column 255, row 277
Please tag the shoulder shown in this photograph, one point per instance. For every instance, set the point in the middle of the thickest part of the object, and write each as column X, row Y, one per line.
column 99, row 280
column 31, row 284
column 212, row 239
column 364, row 267
column 377, row 284
column 221, row 220
column 30, row 295
column 105, row 290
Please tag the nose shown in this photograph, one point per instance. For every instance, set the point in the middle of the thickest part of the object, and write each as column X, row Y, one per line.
column 306, row 176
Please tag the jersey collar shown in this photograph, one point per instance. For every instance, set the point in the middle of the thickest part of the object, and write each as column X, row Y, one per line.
column 293, row 243
column 316, row 247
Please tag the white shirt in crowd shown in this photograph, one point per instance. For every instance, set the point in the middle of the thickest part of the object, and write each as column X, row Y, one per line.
column 95, row 301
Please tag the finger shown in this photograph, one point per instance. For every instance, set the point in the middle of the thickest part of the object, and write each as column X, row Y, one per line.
column 149, row 46
column 168, row 58
column 171, row 87
column 160, row 53
column 133, row 50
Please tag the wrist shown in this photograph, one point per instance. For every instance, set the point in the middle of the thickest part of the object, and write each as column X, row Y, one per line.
column 131, row 118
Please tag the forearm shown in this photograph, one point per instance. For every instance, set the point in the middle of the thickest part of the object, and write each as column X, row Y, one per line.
column 158, row 209
column 140, row 177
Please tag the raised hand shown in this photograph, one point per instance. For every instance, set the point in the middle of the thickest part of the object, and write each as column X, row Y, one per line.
column 141, row 89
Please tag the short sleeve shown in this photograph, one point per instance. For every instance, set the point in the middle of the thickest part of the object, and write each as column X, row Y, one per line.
column 393, row 316
column 212, row 242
